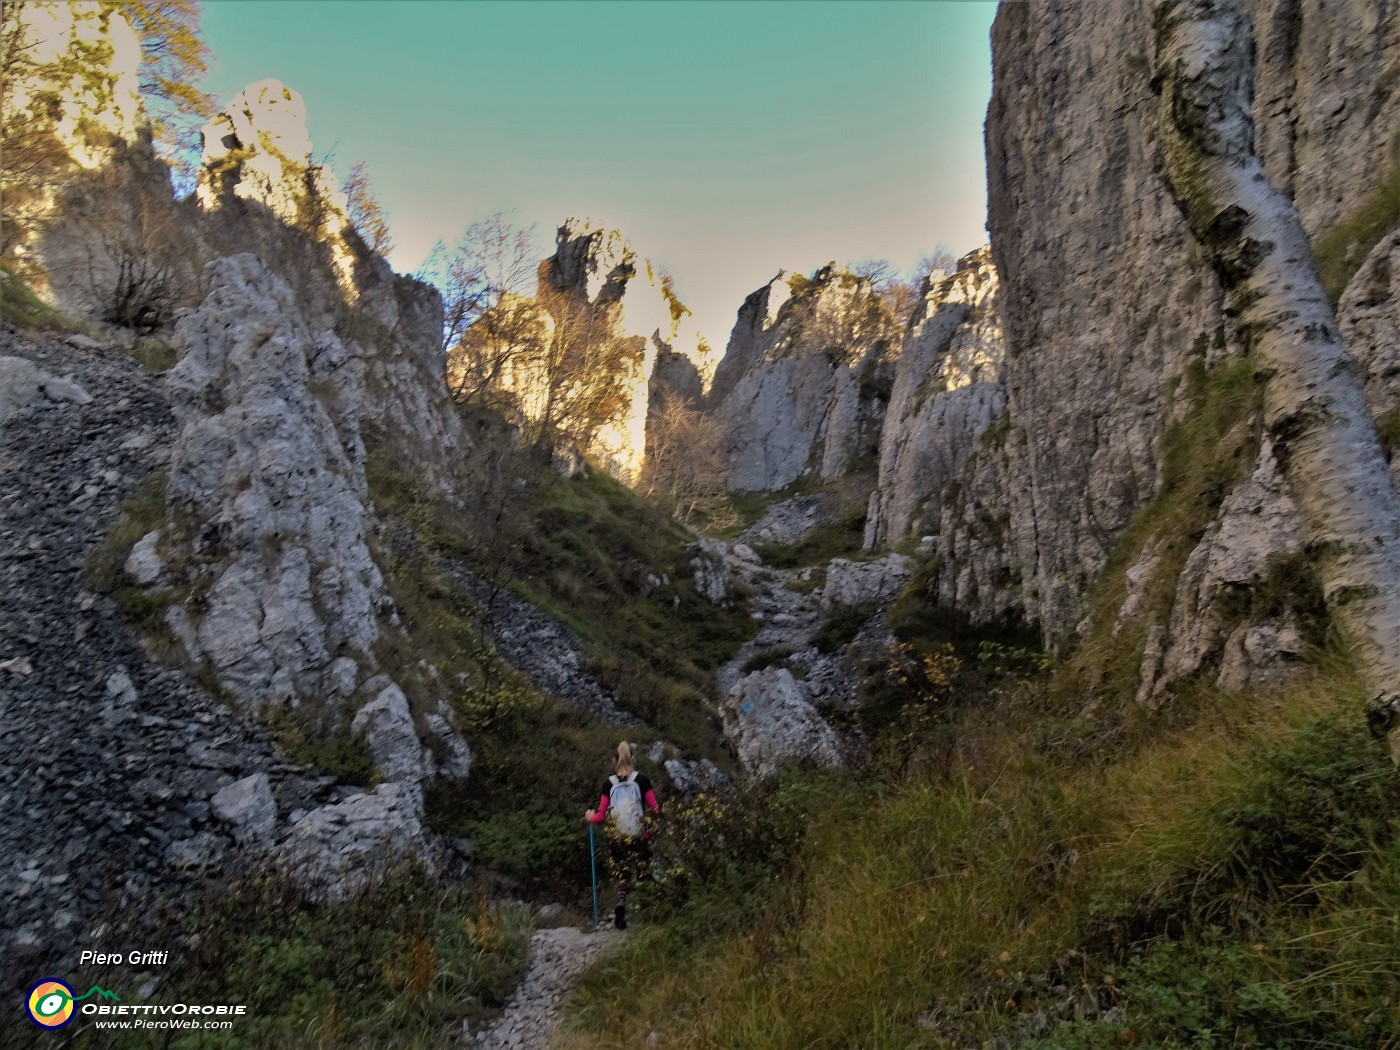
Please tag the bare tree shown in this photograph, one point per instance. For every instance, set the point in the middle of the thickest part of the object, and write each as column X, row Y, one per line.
column 493, row 258
column 940, row 260
column 366, row 211
column 898, row 294
column 686, row 469
column 1314, row 403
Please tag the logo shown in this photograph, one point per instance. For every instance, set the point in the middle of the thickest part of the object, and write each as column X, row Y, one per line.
column 51, row 1002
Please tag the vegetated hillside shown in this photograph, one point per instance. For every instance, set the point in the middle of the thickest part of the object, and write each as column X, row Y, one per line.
column 1175, row 832
column 1027, row 858
column 612, row 571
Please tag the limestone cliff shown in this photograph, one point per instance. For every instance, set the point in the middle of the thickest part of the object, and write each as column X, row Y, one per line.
column 261, row 191
column 299, row 362
column 88, row 214
column 598, row 268
column 1115, row 322
column 802, row 387
column 301, row 358
column 947, row 391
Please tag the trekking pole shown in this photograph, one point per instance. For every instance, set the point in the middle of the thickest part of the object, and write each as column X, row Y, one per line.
column 593, row 866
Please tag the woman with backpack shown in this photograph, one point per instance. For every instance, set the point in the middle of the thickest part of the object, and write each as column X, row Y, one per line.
column 627, row 797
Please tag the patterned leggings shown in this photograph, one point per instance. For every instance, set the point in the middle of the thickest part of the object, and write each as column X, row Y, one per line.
column 629, row 860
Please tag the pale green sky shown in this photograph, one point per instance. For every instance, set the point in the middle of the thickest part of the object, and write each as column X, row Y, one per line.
column 726, row 139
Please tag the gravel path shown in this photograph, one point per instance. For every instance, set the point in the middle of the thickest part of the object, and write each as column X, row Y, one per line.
column 107, row 758
column 557, row 958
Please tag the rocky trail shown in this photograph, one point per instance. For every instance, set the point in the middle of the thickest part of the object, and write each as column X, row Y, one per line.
column 112, row 760
column 557, row 958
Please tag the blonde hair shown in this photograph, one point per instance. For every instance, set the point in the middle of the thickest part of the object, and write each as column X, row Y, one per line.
column 624, row 759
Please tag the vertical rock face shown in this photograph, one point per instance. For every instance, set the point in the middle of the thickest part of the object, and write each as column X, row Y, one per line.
column 258, row 149
column 269, row 482
column 1369, row 315
column 804, row 380
column 598, row 268
column 302, row 361
column 1105, row 295
column 269, row 519
column 947, row 391
column 83, row 189
column 262, row 192
column 90, row 112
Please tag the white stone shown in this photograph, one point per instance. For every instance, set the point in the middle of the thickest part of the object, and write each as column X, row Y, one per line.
column 144, row 564
column 387, row 726
column 851, row 584
column 338, row 849
column 248, row 807
column 770, row 720
column 24, row 385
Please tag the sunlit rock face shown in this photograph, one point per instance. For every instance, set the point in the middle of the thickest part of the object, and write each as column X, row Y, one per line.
column 801, row 390
column 92, row 111
column 258, row 149
column 262, row 193
column 947, row 391
column 83, row 185
column 1105, row 297
column 598, row 268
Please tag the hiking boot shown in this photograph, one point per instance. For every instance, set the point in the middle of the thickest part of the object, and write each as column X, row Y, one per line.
column 620, row 917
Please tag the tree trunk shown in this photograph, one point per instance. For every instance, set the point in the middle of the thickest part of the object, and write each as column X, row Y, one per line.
column 1314, row 403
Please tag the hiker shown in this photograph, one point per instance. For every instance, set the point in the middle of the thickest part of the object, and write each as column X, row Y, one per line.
column 629, row 840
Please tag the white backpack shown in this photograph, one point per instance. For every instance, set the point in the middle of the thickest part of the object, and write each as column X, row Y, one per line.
column 625, row 805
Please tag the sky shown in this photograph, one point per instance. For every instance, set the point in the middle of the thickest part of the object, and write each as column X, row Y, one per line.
column 727, row 139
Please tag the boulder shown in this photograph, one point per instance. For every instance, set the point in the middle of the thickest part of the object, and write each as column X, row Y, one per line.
column 853, row 584
column 386, row 724
column 144, row 564
column 338, row 849
column 248, row 807
column 24, row 385
column 770, row 720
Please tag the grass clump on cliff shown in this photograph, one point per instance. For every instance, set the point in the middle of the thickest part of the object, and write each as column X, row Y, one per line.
column 1341, row 250
column 23, row 309
column 1202, row 456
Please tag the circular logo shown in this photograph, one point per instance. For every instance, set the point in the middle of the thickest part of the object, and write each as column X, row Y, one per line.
column 51, row 1004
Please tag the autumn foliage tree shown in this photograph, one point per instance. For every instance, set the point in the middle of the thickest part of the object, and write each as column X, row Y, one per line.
column 686, row 470
column 366, row 211
column 552, row 364
column 174, row 59
column 36, row 76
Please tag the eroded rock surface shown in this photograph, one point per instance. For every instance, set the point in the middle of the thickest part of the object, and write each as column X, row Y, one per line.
column 948, row 391
column 112, row 761
column 1106, row 299
column 802, row 387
